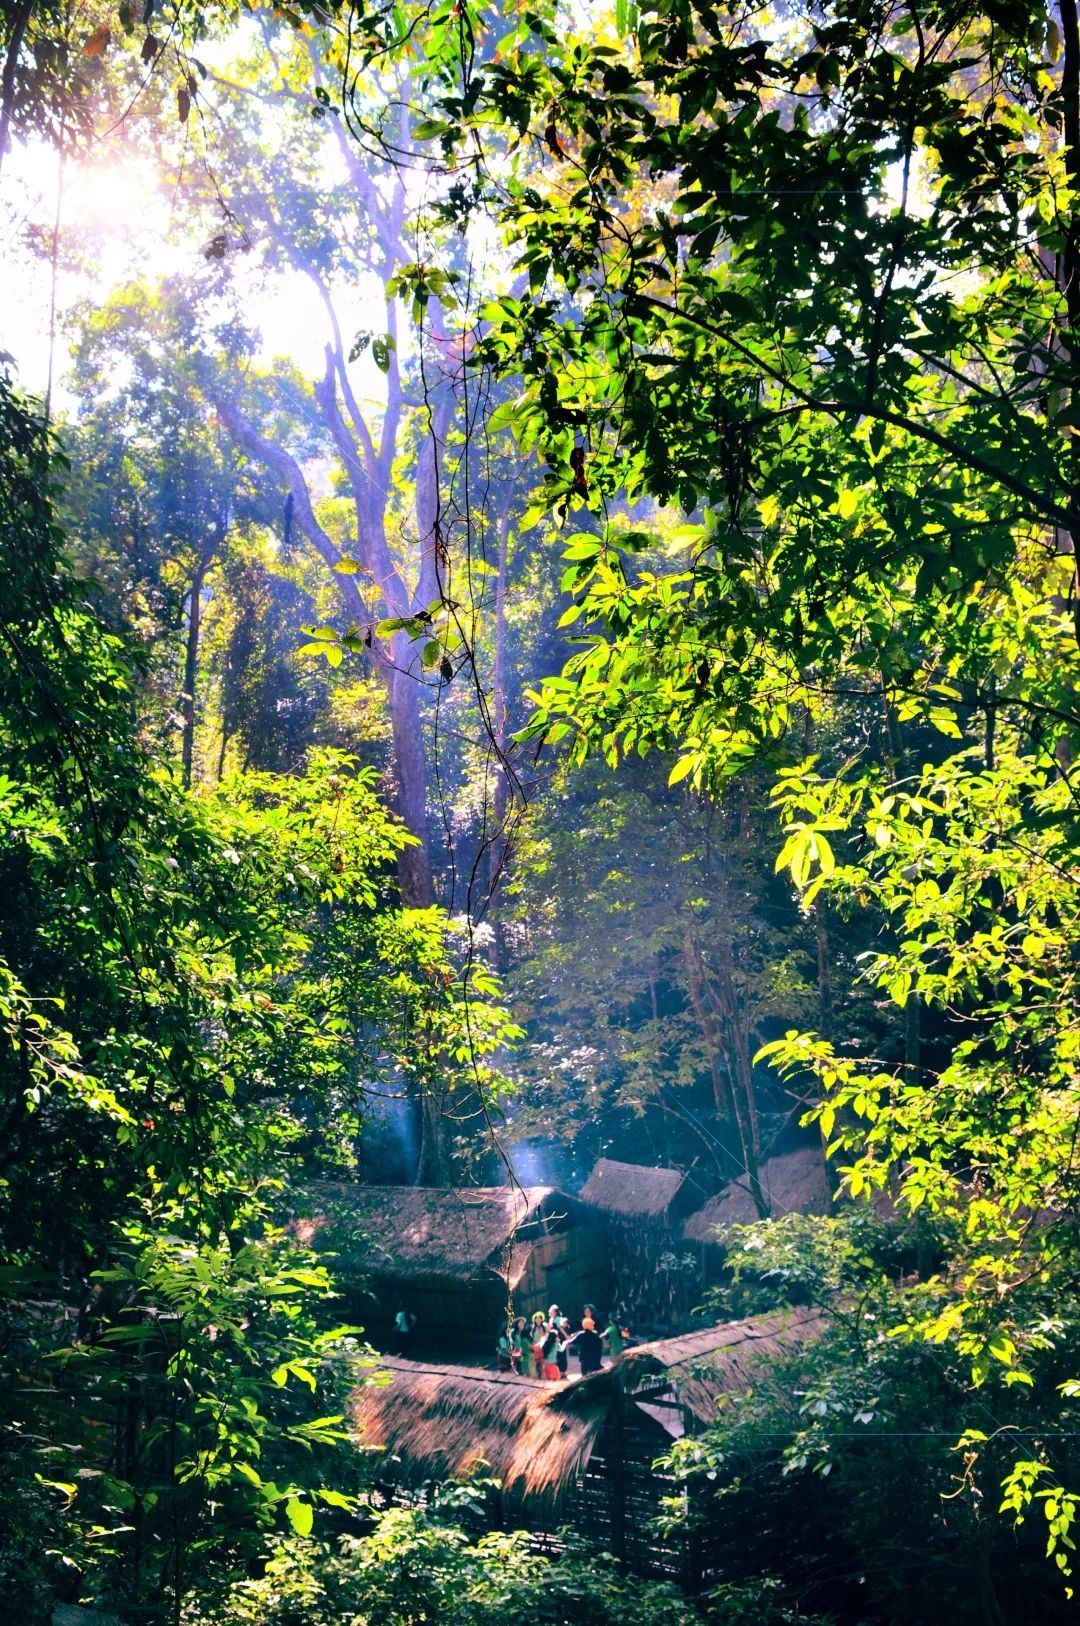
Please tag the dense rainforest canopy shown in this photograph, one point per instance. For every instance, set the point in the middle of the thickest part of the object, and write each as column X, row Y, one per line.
column 539, row 619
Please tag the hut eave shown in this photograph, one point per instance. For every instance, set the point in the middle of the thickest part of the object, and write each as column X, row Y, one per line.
column 448, row 1422
column 725, row 1359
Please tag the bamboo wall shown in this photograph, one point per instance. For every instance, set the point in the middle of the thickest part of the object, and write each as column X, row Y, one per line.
column 569, row 1268
column 617, row 1502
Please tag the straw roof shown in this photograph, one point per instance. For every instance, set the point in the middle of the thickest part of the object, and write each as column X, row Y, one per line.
column 631, row 1188
column 430, row 1233
column 795, row 1183
column 445, row 1422
column 725, row 1359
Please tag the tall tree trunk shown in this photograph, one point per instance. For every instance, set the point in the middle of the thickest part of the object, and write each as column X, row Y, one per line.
column 739, row 1048
column 369, row 476
column 429, row 1125
column 824, row 968
column 433, row 1168
column 913, row 1004
column 497, row 849
column 410, row 774
column 727, row 1096
column 1070, row 103
column 188, row 706
column 19, row 20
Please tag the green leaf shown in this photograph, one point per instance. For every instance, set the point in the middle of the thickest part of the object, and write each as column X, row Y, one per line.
column 582, row 545
column 412, row 624
column 900, row 988
column 301, row 1515
column 381, row 351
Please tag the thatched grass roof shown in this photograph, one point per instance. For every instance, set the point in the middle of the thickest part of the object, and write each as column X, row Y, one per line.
column 448, row 1422
column 725, row 1359
column 795, row 1183
column 631, row 1188
column 431, row 1233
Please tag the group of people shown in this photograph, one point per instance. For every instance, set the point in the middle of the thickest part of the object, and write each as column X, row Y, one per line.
column 540, row 1347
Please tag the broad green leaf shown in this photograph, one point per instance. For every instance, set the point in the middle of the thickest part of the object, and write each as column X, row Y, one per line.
column 300, row 1515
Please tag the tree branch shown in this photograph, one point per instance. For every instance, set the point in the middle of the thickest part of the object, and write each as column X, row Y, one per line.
column 356, row 417
column 288, row 470
column 371, row 536
column 1041, row 507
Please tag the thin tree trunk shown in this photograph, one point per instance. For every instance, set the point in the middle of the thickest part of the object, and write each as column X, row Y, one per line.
column 739, row 1048
column 500, row 720
column 1070, row 262
column 824, row 970
column 7, row 81
column 188, row 707
column 726, row 1093
column 414, row 865
column 426, row 1107
column 913, row 1035
column 913, row 1004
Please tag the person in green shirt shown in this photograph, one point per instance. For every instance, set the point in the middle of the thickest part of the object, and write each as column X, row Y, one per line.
column 521, row 1339
column 616, row 1337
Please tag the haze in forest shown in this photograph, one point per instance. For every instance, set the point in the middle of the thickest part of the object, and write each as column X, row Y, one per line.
column 538, row 817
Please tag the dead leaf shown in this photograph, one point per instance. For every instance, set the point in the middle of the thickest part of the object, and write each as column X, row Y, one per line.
column 183, row 102
column 96, row 42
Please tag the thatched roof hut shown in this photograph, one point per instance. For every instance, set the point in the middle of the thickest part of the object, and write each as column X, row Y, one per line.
column 456, row 1257
column 643, row 1210
column 634, row 1191
column 794, row 1183
column 584, row 1453
column 695, row 1369
column 445, row 1422
column 425, row 1233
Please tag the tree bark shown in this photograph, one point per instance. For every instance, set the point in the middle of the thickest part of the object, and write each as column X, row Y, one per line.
column 1070, row 102
column 824, row 971
column 739, row 1048
column 188, row 703
column 726, row 1094
column 191, row 674
column 19, row 22
column 414, row 865
column 500, row 718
